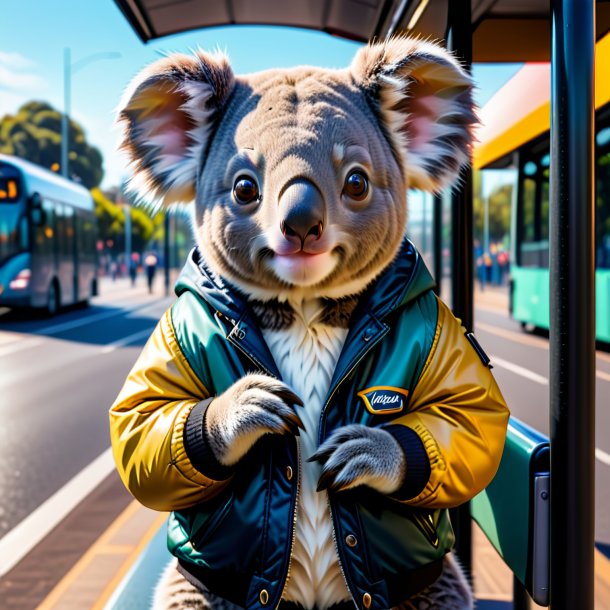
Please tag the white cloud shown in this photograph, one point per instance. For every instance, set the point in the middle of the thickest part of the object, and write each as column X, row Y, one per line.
column 17, row 74
column 20, row 81
column 9, row 102
column 16, row 61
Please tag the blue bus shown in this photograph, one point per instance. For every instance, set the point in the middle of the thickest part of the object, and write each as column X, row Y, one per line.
column 48, row 236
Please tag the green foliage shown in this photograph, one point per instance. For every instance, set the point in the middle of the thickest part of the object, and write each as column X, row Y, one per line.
column 142, row 229
column 110, row 218
column 111, row 223
column 499, row 203
column 34, row 133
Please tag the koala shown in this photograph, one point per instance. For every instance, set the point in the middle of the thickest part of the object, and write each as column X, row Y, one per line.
column 308, row 409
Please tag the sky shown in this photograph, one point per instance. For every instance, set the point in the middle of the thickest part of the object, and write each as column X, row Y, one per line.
column 35, row 33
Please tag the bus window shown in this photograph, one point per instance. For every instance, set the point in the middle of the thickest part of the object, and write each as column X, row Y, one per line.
column 533, row 229
column 9, row 190
column 530, row 169
column 602, row 199
column 24, row 233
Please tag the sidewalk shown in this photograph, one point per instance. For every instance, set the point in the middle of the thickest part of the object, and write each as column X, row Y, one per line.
column 493, row 298
column 111, row 561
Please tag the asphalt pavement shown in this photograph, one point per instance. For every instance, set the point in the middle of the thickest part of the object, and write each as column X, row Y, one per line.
column 521, row 367
column 58, row 377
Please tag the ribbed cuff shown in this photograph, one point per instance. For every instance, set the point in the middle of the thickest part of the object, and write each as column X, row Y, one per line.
column 418, row 464
column 198, row 448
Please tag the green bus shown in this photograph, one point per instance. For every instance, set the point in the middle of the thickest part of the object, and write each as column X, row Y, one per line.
column 48, row 238
column 522, row 143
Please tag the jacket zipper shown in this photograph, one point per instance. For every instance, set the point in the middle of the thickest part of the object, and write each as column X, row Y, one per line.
column 294, row 523
column 323, row 412
column 296, row 504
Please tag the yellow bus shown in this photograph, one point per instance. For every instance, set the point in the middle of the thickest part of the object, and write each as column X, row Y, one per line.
column 515, row 134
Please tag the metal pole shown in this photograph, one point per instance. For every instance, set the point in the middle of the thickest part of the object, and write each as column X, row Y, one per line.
column 521, row 598
column 166, row 252
column 486, row 224
column 459, row 40
column 437, row 241
column 65, row 119
column 127, row 209
column 424, row 224
column 572, row 304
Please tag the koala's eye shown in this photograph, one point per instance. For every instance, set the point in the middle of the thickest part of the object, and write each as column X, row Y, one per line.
column 245, row 190
column 356, row 186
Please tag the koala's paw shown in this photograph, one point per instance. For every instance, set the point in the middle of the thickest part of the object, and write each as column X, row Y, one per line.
column 253, row 406
column 358, row 455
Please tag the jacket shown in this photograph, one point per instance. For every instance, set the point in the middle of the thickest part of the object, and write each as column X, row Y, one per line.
column 407, row 364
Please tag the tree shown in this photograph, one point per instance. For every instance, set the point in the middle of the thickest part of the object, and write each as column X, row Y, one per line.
column 499, row 210
column 111, row 223
column 34, row 133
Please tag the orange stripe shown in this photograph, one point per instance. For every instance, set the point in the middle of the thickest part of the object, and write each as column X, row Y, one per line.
column 101, row 546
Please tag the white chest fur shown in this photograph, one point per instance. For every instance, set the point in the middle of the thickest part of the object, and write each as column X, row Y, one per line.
column 306, row 355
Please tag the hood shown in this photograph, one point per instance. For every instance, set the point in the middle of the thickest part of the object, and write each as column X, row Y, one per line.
column 404, row 280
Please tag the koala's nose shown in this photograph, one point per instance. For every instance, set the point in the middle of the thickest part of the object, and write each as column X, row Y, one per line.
column 302, row 209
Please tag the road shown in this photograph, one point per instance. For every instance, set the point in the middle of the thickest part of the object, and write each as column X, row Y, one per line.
column 58, row 378
column 521, row 367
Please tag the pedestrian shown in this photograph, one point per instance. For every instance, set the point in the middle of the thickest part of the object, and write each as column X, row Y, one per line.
column 151, row 267
column 133, row 268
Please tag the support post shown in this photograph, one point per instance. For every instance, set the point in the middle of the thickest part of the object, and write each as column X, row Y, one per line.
column 572, row 305
column 166, row 252
column 459, row 40
column 521, row 598
column 65, row 117
column 437, row 241
column 127, row 210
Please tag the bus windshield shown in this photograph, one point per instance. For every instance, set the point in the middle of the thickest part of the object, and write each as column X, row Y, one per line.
column 9, row 190
column 13, row 230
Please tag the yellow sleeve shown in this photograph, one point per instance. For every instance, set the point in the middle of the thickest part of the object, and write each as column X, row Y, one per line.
column 147, row 424
column 460, row 416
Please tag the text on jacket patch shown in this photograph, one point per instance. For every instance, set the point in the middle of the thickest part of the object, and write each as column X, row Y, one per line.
column 384, row 399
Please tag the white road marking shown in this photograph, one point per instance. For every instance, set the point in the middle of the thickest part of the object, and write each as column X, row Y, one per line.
column 535, row 342
column 602, row 456
column 111, row 347
column 22, row 344
column 19, row 345
column 519, row 370
column 17, row 543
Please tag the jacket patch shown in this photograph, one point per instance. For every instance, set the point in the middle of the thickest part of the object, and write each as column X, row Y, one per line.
column 384, row 399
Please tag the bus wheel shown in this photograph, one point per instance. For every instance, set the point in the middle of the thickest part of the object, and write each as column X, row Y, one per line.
column 52, row 299
column 528, row 327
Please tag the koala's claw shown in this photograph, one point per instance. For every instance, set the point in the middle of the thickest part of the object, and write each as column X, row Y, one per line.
column 252, row 407
column 358, row 455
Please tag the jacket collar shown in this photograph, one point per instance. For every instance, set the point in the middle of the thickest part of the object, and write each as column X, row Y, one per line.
column 403, row 281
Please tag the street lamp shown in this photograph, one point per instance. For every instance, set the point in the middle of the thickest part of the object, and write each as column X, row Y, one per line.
column 69, row 69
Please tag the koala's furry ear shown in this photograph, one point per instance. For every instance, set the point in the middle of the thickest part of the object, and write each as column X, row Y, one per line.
column 168, row 115
column 424, row 100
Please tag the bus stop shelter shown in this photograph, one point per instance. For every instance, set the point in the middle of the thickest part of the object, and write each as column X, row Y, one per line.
column 563, row 32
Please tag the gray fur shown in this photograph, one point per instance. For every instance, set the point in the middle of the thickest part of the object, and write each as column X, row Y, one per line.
column 252, row 407
column 338, row 312
column 278, row 315
column 450, row 592
column 358, row 455
column 401, row 114
column 273, row 315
